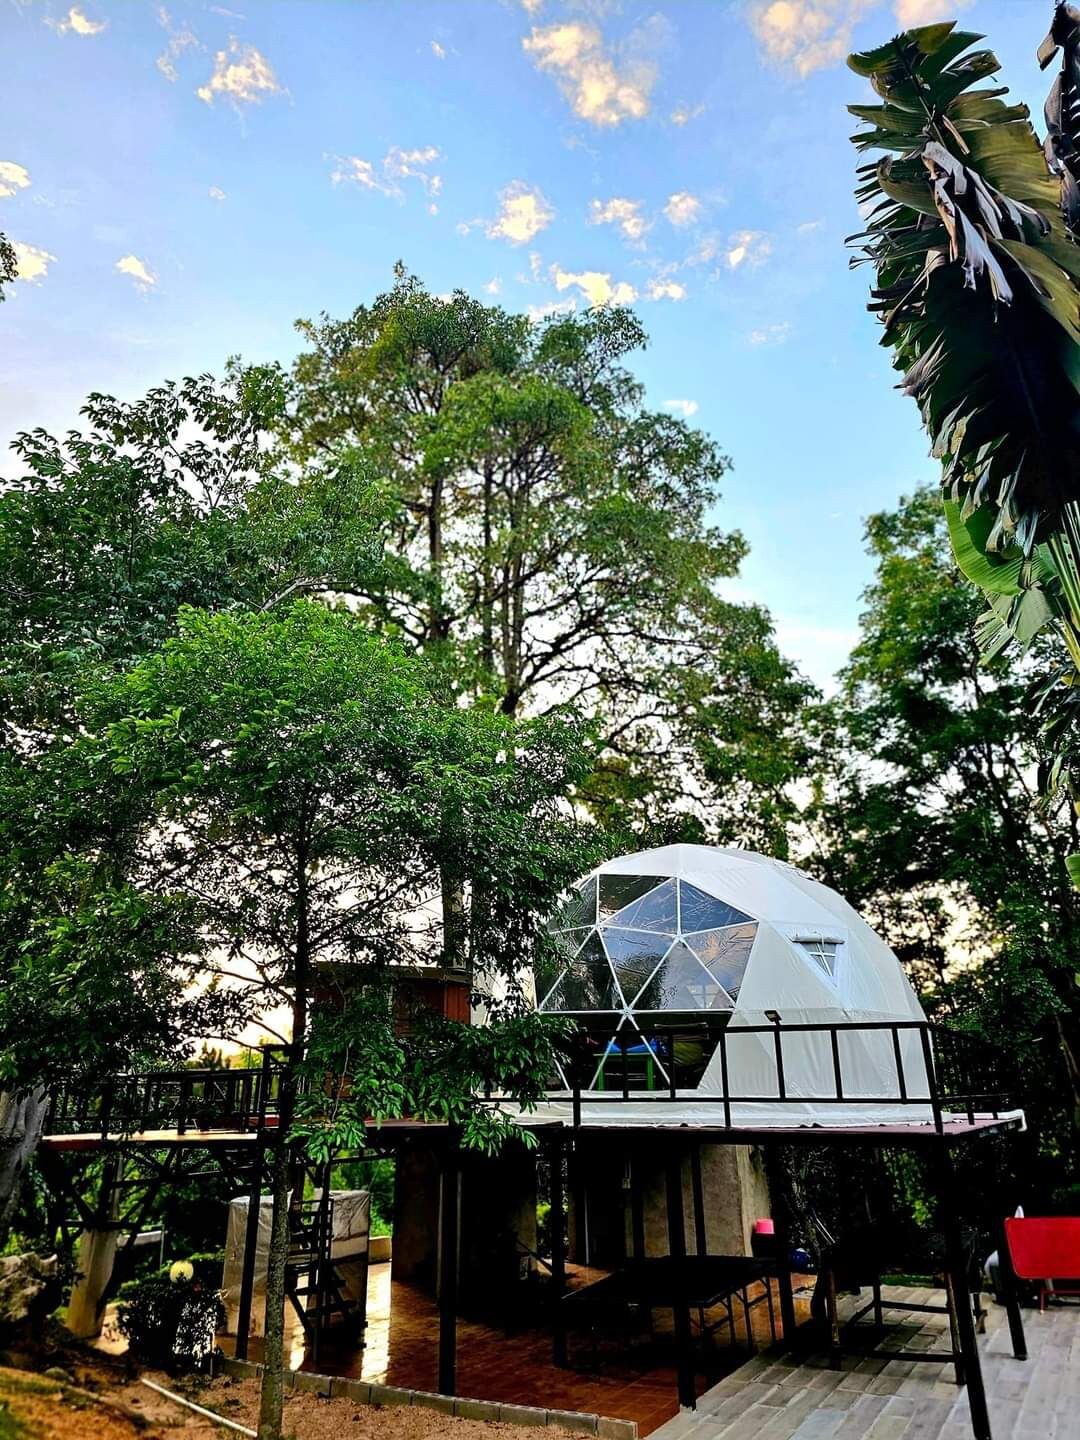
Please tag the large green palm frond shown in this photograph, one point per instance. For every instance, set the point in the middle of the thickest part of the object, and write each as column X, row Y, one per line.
column 978, row 289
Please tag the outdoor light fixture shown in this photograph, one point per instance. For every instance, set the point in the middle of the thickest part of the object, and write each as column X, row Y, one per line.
column 773, row 1016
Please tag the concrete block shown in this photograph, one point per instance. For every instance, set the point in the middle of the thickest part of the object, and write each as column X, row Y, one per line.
column 476, row 1409
column 616, row 1429
column 576, row 1420
column 390, row 1395
column 316, row 1384
column 523, row 1414
column 429, row 1400
column 358, row 1390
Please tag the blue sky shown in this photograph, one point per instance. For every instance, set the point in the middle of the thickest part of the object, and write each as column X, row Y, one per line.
column 183, row 183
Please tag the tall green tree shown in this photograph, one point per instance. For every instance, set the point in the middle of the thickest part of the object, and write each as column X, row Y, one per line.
column 552, row 542
column 978, row 290
column 9, row 267
column 927, row 815
column 300, row 787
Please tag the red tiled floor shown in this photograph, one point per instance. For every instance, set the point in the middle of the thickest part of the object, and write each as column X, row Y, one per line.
column 632, row 1383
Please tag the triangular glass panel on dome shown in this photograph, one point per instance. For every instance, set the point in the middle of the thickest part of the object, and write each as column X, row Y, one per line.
column 547, row 985
column 589, row 983
column 579, row 909
column 569, row 942
column 617, row 891
column 634, row 956
column 642, row 1060
column 725, row 953
column 699, row 911
column 681, row 983
column 654, row 911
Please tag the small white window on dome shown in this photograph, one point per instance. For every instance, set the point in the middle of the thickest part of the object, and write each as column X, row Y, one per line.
column 823, row 952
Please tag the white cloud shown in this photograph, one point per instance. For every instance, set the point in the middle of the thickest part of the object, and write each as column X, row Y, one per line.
column 925, row 12
column 438, row 50
column 595, row 285
column 13, row 177
column 601, row 88
column 683, row 114
column 216, row 193
column 532, row 7
column 685, row 408
column 626, row 214
column 665, row 290
column 809, row 226
column 553, row 307
column 242, row 75
column 748, row 247
column 769, row 335
column 138, row 270
column 397, row 164
column 31, row 264
column 682, row 208
column 807, row 35
column 77, row 23
column 523, row 213
column 494, row 285
column 179, row 41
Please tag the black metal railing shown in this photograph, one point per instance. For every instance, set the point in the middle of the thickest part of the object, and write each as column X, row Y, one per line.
column 949, row 1073
column 185, row 1100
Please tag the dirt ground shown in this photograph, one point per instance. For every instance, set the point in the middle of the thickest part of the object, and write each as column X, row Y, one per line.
column 102, row 1399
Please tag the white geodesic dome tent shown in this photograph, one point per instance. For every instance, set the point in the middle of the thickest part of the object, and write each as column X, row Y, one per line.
column 691, row 931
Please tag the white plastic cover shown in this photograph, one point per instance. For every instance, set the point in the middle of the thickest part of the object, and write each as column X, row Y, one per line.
column 797, row 922
column 349, row 1247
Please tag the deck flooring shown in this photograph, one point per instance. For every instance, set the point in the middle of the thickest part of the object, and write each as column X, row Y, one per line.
column 779, row 1398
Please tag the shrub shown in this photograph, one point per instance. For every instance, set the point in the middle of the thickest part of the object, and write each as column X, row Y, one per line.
column 171, row 1320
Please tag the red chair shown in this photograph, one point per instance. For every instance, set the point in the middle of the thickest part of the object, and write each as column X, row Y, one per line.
column 1044, row 1249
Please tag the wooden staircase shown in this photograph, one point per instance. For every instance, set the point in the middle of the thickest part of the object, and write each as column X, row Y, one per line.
column 312, row 1283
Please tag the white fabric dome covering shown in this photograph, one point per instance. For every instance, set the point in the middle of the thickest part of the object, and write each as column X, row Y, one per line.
column 672, row 936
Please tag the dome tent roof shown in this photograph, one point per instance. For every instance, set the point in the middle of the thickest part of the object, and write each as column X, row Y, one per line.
column 688, row 929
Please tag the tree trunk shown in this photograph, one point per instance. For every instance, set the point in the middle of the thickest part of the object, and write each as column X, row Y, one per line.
column 272, row 1395
column 22, row 1121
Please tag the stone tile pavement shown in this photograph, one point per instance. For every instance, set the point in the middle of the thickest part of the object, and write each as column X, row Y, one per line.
column 778, row 1398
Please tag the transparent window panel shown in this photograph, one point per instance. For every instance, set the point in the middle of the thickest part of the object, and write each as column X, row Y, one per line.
column 725, row 954
column 698, row 911
column 634, row 956
column 823, row 953
column 681, row 983
column 654, row 911
column 630, row 1058
column 580, row 908
column 569, row 942
column 589, row 983
column 617, row 891
column 548, row 985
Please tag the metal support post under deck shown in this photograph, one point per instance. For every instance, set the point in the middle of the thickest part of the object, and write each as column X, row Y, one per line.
column 557, row 1221
column 1007, row 1281
column 251, row 1243
column 956, row 1267
column 450, row 1180
column 684, row 1358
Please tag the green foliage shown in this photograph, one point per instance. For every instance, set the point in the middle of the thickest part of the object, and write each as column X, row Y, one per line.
column 927, row 815
column 550, row 544
column 169, row 1322
column 978, row 289
column 9, row 267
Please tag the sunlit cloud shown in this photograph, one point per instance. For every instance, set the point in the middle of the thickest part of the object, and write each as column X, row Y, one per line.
column 75, row 22
column 137, row 270
column 808, row 227
column 532, row 7
column 241, row 75
column 769, row 335
column 397, row 164
column 31, row 263
column 216, row 193
column 807, row 35
column 438, row 50
column 494, row 285
column 626, row 214
column 665, row 290
column 552, row 307
column 685, row 408
column 13, row 178
column 925, row 12
column 601, row 88
column 683, row 208
column 523, row 213
column 596, row 286
column 748, row 247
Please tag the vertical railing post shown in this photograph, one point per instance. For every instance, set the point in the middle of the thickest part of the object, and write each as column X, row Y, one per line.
column 725, row 1084
column 834, row 1037
column 778, row 1045
column 931, row 1076
column 898, row 1056
column 557, row 1224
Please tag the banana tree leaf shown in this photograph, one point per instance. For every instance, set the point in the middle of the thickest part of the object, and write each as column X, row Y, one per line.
column 996, row 574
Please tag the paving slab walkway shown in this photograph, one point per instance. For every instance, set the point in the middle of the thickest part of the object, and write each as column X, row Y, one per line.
column 780, row 1398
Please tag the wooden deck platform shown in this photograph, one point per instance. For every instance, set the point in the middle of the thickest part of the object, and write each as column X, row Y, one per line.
column 781, row 1398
